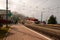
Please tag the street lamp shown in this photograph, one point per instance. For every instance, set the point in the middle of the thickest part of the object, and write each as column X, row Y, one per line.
column 6, row 12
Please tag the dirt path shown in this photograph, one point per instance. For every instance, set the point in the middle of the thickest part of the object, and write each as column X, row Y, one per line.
column 20, row 32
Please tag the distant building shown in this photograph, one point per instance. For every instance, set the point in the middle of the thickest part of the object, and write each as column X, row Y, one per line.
column 3, row 16
column 3, row 13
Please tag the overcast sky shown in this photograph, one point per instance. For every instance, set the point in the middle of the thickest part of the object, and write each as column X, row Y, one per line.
column 34, row 8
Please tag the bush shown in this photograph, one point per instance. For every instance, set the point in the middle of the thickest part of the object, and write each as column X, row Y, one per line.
column 1, row 25
column 37, row 22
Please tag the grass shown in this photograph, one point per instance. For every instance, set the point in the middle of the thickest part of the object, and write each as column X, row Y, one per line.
column 3, row 32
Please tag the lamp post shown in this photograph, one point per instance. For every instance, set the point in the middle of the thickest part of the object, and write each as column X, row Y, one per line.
column 6, row 12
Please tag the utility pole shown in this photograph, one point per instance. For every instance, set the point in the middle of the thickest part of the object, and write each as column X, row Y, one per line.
column 41, row 16
column 6, row 12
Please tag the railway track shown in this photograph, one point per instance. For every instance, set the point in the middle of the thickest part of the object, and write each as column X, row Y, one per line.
column 52, row 27
column 50, row 32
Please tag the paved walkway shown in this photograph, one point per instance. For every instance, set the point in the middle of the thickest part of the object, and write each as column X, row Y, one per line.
column 20, row 32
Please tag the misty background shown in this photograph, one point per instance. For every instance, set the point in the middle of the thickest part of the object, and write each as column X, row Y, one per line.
column 34, row 8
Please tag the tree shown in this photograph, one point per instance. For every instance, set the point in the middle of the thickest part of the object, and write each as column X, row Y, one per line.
column 44, row 22
column 15, row 19
column 9, row 14
column 52, row 20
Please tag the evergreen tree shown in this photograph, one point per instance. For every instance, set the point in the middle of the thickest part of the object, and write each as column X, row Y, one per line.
column 52, row 20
